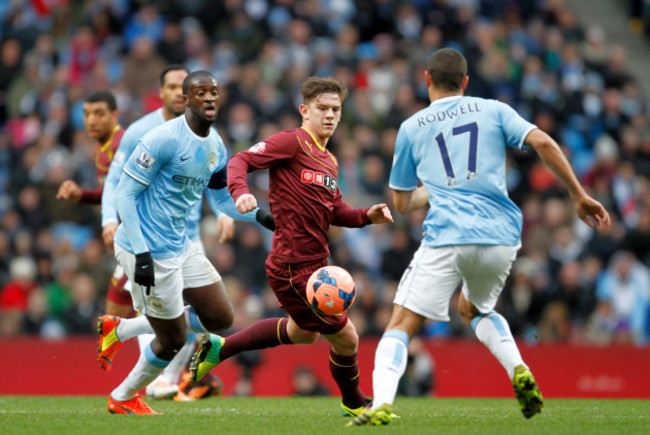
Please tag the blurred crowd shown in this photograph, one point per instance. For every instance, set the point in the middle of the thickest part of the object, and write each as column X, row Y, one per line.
column 639, row 15
column 569, row 283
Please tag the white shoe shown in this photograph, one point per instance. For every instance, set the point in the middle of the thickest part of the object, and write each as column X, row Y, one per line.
column 161, row 389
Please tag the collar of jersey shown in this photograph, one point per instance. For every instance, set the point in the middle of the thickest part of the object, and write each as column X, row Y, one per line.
column 161, row 114
column 110, row 139
column 320, row 147
column 445, row 99
column 192, row 131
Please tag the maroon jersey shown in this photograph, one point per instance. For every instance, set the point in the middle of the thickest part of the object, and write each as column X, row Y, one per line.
column 103, row 156
column 303, row 193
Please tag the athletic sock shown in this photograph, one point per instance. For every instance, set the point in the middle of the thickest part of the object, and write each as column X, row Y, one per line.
column 390, row 364
column 129, row 328
column 493, row 331
column 144, row 340
column 260, row 335
column 345, row 371
column 148, row 367
column 192, row 320
column 173, row 371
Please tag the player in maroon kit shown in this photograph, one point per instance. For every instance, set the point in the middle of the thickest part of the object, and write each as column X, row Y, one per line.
column 305, row 201
column 100, row 119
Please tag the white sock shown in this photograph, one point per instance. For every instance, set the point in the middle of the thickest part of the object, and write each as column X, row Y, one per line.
column 493, row 331
column 129, row 328
column 390, row 363
column 146, row 370
column 144, row 340
column 173, row 371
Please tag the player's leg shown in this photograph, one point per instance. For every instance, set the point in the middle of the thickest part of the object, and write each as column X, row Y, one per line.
column 486, row 269
column 390, row 364
column 423, row 292
column 345, row 370
column 164, row 311
column 118, row 298
column 166, row 385
column 262, row 334
column 305, row 325
column 118, row 305
column 170, row 337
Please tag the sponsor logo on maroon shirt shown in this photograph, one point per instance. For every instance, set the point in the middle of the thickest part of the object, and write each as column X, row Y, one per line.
column 318, row 178
column 258, row 148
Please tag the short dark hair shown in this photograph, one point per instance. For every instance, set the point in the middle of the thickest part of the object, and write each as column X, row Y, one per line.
column 193, row 75
column 102, row 96
column 314, row 86
column 447, row 68
column 174, row 67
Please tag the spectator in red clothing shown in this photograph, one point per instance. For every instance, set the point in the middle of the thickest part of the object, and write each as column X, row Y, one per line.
column 83, row 55
column 15, row 295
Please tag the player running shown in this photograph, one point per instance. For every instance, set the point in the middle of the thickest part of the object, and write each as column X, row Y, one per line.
column 305, row 200
column 457, row 148
column 163, row 179
column 171, row 93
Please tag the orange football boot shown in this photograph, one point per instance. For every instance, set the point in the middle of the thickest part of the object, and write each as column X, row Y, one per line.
column 109, row 343
column 133, row 406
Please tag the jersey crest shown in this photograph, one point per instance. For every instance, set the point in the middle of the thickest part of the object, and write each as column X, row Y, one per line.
column 145, row 161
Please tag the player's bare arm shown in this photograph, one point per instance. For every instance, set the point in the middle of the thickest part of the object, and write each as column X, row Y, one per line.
column 406, row 202
column 108, row 234
column 380, row 214
column 70, row 191
column 246, row 203
column 226, row 228
column 589, row 210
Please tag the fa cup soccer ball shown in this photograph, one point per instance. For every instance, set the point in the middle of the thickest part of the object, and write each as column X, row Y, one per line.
column 331, row 290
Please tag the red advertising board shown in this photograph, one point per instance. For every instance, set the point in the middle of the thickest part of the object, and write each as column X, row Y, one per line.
column 462, row 369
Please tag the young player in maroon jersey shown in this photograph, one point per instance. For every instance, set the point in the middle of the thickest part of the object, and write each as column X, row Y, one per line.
column 305, row 201
column 100, row 117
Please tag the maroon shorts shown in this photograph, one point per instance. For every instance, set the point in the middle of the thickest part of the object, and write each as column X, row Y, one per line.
column 116, row 292
column 288, row 282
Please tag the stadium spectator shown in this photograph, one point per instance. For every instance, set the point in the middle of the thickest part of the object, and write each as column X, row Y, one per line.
column 305, row 383
column 625, row 288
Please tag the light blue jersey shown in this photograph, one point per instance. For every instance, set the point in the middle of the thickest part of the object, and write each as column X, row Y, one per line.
column 163, row 180
column 457, row 148
column 128, row 143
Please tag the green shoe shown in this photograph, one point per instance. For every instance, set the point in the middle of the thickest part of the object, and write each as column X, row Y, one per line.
column 353, row 412
column 527, row 392
column 207, row 356
column 375, row 417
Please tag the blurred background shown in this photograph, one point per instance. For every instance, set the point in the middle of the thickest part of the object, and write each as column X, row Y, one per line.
column 578, row 72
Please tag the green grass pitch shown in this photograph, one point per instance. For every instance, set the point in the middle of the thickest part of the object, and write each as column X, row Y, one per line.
column 293, row 415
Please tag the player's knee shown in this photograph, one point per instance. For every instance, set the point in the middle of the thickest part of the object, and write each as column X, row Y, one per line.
column 467, row 311
column 217, row 322
column 171, row 344
column 312, row 337
column 303, row 337
column 346, row 341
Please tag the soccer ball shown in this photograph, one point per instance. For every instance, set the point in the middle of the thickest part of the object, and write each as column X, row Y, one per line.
column 331, row 290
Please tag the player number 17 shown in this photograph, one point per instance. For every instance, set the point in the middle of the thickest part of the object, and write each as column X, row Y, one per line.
column 472, row 129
